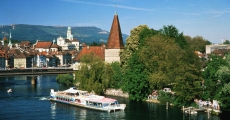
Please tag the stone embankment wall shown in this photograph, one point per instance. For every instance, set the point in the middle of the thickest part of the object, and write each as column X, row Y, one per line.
column 118, row 92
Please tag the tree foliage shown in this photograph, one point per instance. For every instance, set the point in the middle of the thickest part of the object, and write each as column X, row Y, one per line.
column 217, row 80
column 135, row 76
column 198, row 43
column 172, row 32
column 132, row 43
column 94, row 74
column 65, row 79
column 225, row 98
column 136, row 79
column 116, row 80
column 161, row 58
column 226, row 42
column 211, row 76
column 167, row 64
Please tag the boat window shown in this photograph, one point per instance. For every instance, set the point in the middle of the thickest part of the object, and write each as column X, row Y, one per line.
column 105, row 104
column 94, row 104
column 99, row 105
column 90, row 103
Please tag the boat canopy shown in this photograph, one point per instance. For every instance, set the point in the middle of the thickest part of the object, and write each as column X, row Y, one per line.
column 72, row 90
column 103, row 100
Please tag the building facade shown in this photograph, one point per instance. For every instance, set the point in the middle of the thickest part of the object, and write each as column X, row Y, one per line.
column 68, row 43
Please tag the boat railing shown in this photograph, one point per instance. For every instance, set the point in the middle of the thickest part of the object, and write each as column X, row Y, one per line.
column 117, row 105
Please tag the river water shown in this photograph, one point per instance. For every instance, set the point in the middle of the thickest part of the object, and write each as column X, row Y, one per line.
column 31, row 102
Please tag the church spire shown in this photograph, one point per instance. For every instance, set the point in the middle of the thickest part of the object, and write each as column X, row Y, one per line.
column 3, row 41
column 116, row 10
column 115, row 40
column 10, row 44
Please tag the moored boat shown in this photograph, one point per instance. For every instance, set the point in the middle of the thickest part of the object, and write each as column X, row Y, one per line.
column 10, row 90
column 191, row 111
column 84, row 99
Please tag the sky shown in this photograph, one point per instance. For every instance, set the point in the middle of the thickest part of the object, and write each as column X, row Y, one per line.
column 207, row 18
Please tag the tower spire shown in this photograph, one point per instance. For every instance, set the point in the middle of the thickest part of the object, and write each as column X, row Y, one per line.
column 115, row 40
column 3, row 41
column 10, row 44
column 114, row 43
column 115, row 9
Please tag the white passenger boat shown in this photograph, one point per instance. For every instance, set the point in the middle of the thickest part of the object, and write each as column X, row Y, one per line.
column 83, row 99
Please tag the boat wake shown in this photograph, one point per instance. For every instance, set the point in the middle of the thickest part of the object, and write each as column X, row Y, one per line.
column 44, row 98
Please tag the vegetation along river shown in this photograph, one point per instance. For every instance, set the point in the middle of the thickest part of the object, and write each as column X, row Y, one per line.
column 29, row 101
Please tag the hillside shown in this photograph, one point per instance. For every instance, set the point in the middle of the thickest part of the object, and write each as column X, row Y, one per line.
column 49, row 33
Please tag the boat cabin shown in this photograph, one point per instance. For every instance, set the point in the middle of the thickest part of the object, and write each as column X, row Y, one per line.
column 104, row 102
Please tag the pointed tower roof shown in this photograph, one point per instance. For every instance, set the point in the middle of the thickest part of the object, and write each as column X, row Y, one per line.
column 115, row 40
column 10, row 44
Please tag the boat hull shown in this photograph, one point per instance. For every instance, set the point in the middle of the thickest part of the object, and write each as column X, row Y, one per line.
column 86, row 106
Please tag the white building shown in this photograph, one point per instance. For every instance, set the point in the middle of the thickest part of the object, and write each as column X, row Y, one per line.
column 69, row 43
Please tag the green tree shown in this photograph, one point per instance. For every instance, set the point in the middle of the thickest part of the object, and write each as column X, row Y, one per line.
column 172, row 32
column 157, row 54
column 132, row 43
column 116, row 80
column 65, row 79
column 198, row 43
column 223, row 75
column 135, row 76
column 93, row 74
column 95, row 44
column 211, row 76
column 226, row 42
column 225, row 98
column 158, row 59
column 168, row 64
column 136, row 80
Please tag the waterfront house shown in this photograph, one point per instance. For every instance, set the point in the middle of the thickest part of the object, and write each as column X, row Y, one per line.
column 19, row 60
column 2, row 60
column 42, row 46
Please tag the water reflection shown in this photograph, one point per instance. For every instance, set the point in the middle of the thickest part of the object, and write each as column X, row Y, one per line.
column 21, row 77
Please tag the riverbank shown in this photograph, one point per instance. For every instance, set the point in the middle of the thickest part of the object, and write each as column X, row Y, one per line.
column 116, row 92
column 153, row 100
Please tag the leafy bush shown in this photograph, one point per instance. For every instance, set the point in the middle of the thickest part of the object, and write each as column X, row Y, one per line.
column 165, row 97
column 66, row 79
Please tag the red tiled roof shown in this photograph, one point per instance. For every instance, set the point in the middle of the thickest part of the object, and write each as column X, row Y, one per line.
column 43, row 44
column 115, row 40
column 2, row 53
column 97, row 50
column 221, row 52
column 5, row 38
column 26, row 43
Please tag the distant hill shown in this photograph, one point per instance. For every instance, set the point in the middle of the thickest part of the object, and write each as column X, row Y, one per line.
column 49, row 33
